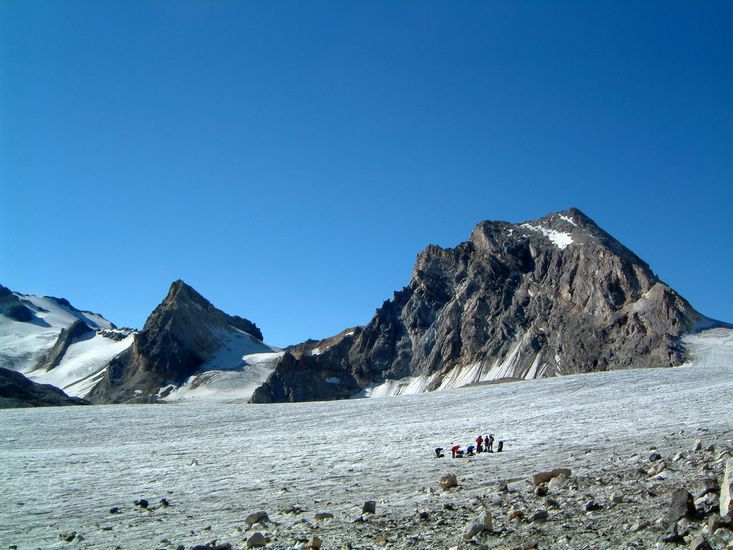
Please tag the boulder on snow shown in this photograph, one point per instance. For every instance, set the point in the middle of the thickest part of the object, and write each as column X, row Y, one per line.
column 257, row 517
column 370, row 507
column 544, row 477
column 448, row 481
column 482, row 522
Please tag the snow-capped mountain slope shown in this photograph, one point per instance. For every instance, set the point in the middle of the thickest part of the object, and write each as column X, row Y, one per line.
column 31, row 325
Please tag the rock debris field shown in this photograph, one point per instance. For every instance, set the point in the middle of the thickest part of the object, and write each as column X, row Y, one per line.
column 627, row 459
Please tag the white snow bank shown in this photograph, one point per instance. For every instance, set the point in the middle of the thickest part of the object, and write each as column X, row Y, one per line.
column 241, row 365
column 82, row 363
column 558, row 238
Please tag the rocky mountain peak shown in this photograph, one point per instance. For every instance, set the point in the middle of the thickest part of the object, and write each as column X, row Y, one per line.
column 182, row 333
column 557, row 295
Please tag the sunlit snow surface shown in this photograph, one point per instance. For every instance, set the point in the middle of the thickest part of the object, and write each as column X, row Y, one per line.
column 62, row 469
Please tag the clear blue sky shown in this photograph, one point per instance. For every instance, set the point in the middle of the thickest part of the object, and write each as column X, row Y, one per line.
column 290, row 159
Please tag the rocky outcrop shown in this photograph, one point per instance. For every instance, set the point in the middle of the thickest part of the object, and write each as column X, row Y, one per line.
column 77, row 330
column 180, row 335
column 17, row 391
column 12, row 307
column 550, row 297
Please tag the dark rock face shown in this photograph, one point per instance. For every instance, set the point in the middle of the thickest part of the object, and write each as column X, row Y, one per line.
column 76, row 331
column 18, row 391
column 12, row 307
column 551, row 297
column 181, row 334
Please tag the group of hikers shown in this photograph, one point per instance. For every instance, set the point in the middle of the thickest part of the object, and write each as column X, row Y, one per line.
column 484, row 444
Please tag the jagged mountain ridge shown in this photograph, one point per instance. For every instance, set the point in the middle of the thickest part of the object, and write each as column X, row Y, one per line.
column 555, row 296
column 183, row 337
column 549, row 297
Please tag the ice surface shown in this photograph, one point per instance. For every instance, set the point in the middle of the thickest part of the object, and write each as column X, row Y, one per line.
column 62, row 469
column 558, row 238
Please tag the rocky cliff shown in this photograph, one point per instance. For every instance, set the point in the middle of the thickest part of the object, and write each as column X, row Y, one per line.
column 544, row 298
column 18, row 391
column 182, row 334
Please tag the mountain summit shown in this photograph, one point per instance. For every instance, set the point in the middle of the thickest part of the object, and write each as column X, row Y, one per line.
column 542, row 298
column 181, row 335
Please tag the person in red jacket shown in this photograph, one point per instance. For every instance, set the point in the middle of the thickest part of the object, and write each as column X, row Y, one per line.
column 455, row 450
column 479, row 444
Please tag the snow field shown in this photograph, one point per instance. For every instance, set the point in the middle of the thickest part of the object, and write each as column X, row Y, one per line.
column 64, row 468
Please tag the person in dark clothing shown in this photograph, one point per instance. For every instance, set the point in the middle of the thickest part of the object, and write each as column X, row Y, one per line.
column 490, row 444
column 469, row 450
column 439, row 452
column 500, row 447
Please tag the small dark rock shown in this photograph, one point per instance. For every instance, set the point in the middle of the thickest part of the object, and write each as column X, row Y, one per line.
column 142, row 503
column 541, row 490
column 539, row 516
column 552, row 502
column 423, row 515
column 323, row 515
column 370, row 507
column 164, row 503
column 699, row 543
column 114, row 510
column 653, row 457
column 592, row 506
column 672, row 535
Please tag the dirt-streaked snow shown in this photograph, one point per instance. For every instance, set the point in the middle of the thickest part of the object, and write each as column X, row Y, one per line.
column 64, row 468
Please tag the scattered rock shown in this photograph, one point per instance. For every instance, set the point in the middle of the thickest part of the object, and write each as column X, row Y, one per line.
column 515, row 514
column 709, row 485
column 114, row 510
column 672, row 535
column 482, row 522
column 682, row 506
column 726, row 489
column 541, row 490
column 697, row 446
column 558, row 483
column 592, row 506
column 257, row 540
column 544, row 477
column 678, row 457
column 423, row 515
column 654, row 456
column 257, row 517
column 164, row 503
column 292, row 509
column 315, row 542
column 142, row 503
column 617, row 497
column 68, row 537
column 540, row 516
column 370, row 507
column 323, row 515
column 502, row 487
column 699, row 543
column 448, row 481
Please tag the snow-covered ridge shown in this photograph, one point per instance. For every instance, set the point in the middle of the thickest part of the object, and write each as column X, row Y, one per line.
column 558, row 238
